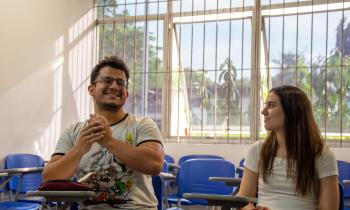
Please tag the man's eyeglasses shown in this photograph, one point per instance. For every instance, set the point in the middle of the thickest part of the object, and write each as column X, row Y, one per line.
column 108, row 81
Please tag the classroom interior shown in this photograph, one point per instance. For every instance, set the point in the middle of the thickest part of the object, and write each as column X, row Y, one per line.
column 200, row 69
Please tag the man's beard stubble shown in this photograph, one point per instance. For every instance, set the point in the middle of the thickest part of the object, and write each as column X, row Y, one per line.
column 110, row 107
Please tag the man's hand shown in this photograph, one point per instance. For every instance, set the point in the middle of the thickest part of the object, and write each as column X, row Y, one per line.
column 92, row 132
column 104, row 128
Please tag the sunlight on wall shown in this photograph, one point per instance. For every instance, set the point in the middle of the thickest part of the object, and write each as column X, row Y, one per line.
column 49, row 138
column 82, row 56
column 77, row 57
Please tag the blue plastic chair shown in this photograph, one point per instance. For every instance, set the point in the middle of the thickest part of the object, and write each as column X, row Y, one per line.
column 341, row 196
column 197, row 156
column 169, row 158
column 241, row 165
column 158, row 190
column 14, row 205
column 344, row 174
column 194, row 178
column 30, row 182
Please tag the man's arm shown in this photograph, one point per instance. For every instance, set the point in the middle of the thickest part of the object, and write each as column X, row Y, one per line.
column 147, row 158
column 64, row 166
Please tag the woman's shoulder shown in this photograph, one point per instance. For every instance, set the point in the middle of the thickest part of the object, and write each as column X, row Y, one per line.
column 256, row 146
column 326, row 152
column 326, row 163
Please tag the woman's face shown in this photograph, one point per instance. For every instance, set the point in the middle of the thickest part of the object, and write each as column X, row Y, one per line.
column 273, row 113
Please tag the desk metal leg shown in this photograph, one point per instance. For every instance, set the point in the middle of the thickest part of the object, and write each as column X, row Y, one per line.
column 19, row 184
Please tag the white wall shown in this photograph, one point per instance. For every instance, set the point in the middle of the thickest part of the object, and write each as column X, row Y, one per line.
column 40, row 51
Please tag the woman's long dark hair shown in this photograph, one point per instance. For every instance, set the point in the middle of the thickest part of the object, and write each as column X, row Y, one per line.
column 302, row 138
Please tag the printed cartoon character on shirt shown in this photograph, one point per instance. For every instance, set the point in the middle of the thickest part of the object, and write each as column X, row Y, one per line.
column 110, row 179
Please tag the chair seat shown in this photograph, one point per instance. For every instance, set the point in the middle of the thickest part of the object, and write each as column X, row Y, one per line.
column 12, row 205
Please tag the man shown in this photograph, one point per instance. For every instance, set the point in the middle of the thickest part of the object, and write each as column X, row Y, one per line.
column 113, row 151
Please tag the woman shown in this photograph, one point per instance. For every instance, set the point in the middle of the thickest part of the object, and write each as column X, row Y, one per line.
column 292, row 169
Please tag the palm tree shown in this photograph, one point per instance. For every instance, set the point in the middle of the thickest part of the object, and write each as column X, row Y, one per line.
column 228, row 91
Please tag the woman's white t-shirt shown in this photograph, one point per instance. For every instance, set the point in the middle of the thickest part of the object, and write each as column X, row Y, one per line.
column 278, row 193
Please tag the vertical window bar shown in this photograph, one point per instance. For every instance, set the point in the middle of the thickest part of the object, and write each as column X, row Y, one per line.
column 326, row 77
column 216, row 69
column 269, row 82
column 227, row 123
column 103, row 29
column 311, row 51
column 296, row 46
column 113, row 29
column 145, row 69
column 242, row 69
column 203, row 72
column 179, row 88
column 255, row 63
column 341, row 76
column 135, row 58
column 191, row 74
column 124, row 32
column 283, row 56
column 156, row 73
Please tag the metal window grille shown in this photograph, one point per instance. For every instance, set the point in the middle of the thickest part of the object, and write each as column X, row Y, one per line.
column 202, row 69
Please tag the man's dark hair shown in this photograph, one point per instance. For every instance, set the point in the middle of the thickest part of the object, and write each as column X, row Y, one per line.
column 111, row 61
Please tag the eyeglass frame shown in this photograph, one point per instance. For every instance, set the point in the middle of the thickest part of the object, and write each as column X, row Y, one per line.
column 108, row 81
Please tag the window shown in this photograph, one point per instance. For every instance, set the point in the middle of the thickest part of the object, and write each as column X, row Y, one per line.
column 202, row 69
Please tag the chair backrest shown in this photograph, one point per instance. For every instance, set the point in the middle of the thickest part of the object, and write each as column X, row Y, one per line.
column 344, row 173
column 169, row 158
column 30, row 181
column 194, row 177
column 158, row 190
column 341, row 196
column 197, row 156
column 241, row 165
column 165, row 167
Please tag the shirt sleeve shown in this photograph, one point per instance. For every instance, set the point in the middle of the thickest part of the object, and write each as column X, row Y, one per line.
column 327, row 164
column 253, row 156
column 68, row 138
column 148, row 131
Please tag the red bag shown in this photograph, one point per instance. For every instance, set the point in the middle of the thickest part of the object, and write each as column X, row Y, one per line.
column 63, row 185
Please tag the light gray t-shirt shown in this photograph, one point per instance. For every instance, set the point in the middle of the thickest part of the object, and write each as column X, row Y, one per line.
column 278, row 193
column 113, row 181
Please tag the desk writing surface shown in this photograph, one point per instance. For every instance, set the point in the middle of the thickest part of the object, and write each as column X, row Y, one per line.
column 221, row 200
column 63, row 195
column 229, row 181
column 167, row 176
column 3, row 174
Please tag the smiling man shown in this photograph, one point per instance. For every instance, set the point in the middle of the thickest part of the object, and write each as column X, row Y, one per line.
column 112, row 151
